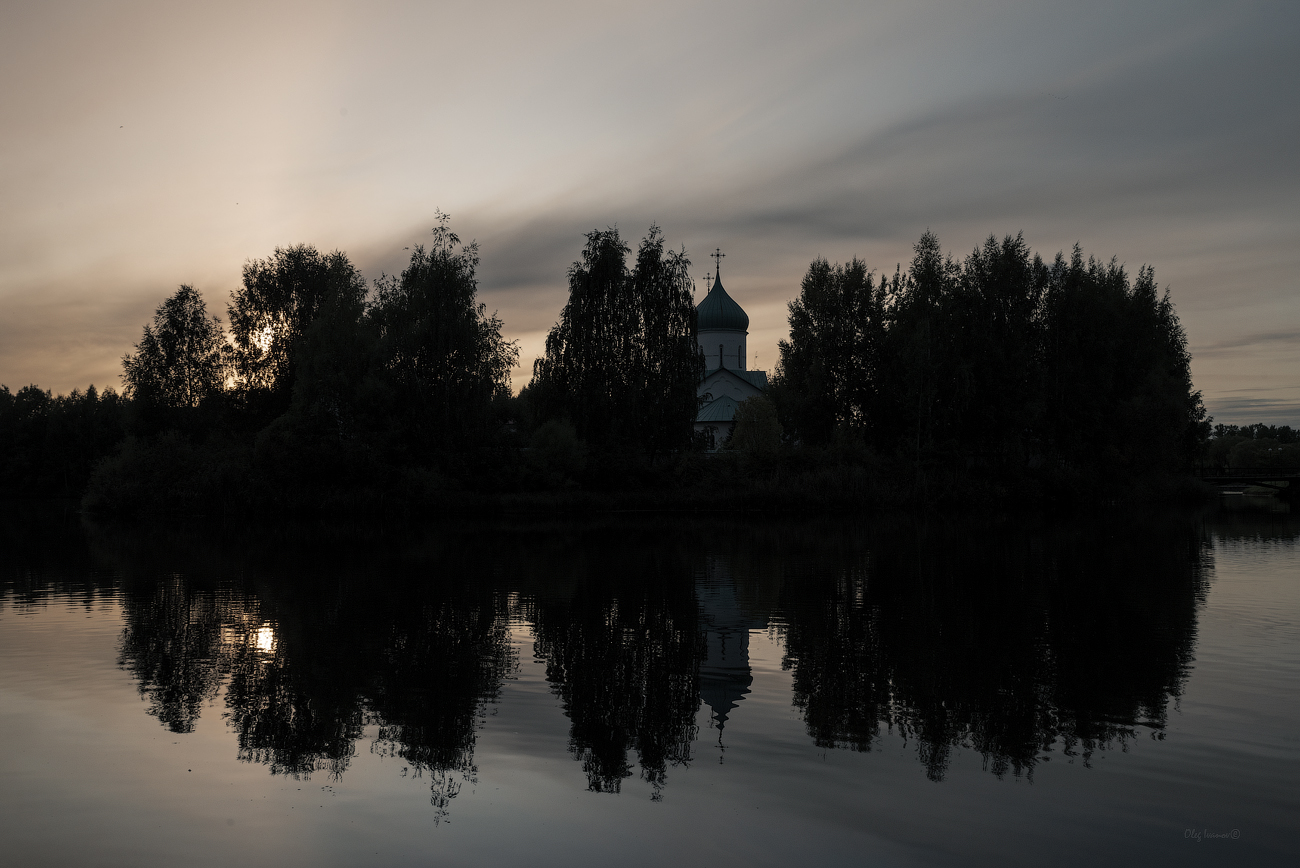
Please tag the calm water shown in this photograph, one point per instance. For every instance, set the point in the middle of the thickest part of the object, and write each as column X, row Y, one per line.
column 696, row 691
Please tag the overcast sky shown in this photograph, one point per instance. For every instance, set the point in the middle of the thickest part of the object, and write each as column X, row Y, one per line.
column 149, row 144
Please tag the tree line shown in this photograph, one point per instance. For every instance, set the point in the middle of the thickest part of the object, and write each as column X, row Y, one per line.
column 310, row 349
column 1257, row 445
column 320, row 389
column 999, row 360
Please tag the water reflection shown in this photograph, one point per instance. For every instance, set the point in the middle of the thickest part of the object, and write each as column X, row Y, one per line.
column 1020, row 642
column 177, row 645
column 622, row 645
column 1011, row 644
column 725, row 675
column 312, row 650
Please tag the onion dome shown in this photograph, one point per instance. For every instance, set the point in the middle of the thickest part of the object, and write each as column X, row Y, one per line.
column 719, row 312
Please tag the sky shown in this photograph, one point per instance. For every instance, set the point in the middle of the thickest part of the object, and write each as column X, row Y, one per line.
column 151, row 144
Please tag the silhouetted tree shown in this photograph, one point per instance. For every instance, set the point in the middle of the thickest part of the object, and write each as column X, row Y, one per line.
column 179, row 363
column 443, row 356
column 668, row 363
column 919, row 364
column 584, row 373
column 270, row 313
column 335, row 355
column 1257, row 445
column 50, row 443
column 1118, row 388
column 828, row 373
column 757, row 430
column 997, row 360
column 996, row 329
column 623, row 363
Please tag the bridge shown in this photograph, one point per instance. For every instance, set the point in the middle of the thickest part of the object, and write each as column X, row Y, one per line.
column 1266, row 477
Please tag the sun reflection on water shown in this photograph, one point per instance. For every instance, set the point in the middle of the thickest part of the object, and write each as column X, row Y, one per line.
column 264, row 639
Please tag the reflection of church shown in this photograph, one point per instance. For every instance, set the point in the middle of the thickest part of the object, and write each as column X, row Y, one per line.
column 725, row 675
column 722, row 328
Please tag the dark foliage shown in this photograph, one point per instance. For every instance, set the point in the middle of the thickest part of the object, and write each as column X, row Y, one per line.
column 622, row 363
column 1257, row 445
column 995, row 377
column 1000, row 361
column 441, row 358
column 179, row 365
column 270, row 315
column 50, row 444
column 830, row 367
column 322, row 397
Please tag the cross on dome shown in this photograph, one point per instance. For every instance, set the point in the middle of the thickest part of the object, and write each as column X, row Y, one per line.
column 719, row 311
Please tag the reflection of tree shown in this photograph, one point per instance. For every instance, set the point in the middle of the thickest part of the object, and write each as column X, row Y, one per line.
column 622, row 651
column 297, row 709
column 1002, row 641
column 412, row 660
column 1013, row 642
column 438, row 668
column 170, row 645
column 312, row 647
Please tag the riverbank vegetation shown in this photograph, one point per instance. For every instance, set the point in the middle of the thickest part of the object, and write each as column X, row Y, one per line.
column 999, row 365
column 999, row 377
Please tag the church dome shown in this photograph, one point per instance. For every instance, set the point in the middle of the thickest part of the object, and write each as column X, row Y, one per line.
column 719, row 312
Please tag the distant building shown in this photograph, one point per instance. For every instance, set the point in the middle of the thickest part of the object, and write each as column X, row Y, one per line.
column 723, row 326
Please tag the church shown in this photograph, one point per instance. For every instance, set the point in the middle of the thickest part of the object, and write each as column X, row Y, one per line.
column 722, row 326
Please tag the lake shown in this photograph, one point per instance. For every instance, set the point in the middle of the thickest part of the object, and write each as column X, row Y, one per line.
column 641, row 690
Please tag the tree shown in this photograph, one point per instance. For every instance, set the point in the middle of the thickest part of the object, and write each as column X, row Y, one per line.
column 180, row 361
column 270, row 313
column 998, row 359
column 828, row 375
column 1117, row 372
column 623, row 362
column 669, row 363
column 757, row 431
column 442, row 353
column 995, row 331
column 332, row 362
column 50, row 443
column 584, row 374
column 919, row 365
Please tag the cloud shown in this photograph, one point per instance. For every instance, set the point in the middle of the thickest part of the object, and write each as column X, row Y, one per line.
column 1285, row 340
column 1248, row 406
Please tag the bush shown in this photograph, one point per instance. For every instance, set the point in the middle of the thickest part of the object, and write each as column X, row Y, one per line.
column 757, row 431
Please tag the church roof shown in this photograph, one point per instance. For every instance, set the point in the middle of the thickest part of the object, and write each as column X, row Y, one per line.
column 719, row 311
column 718, row 410
column 757, row 379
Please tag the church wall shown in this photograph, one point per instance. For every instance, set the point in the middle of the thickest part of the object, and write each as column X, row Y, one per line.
column 732, row 345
